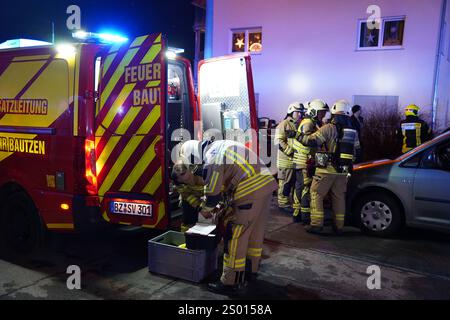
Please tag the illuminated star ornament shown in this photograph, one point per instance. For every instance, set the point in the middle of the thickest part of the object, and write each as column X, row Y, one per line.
column 239, row 43
column 371, row 38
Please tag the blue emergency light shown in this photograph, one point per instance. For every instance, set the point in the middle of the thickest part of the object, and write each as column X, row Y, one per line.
column 98, row 37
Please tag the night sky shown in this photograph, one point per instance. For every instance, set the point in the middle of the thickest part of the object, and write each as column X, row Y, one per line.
column 33, row 19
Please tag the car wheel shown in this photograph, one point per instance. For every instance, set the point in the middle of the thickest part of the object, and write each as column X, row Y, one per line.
column 21, row 230
column 379, row 214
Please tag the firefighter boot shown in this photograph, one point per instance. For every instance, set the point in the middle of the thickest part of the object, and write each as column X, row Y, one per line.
column 249, row 275
column 220, row 288
column 287, row 210
column 336, row 230
column 297, row 218
column 314, row 229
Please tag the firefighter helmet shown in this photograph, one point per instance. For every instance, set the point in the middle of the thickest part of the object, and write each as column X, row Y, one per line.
column 314, row 106
column 296, row 107
column 342, row 106
column 412, row 110
column 191, row 152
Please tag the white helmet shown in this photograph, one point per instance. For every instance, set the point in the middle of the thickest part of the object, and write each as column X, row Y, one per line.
column 296, row 107
column 191, row 152
column 342, row 106
column 314, row 106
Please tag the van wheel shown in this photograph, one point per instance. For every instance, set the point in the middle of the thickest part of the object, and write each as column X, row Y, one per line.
column 378, row 215
column 21, row 230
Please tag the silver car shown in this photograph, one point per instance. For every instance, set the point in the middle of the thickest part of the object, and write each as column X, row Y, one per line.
column 412, row 190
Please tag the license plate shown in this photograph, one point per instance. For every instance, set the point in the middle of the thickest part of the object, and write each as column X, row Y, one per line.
column 131, row 208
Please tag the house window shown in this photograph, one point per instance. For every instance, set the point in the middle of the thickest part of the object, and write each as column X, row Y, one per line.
column 388, row 36
column 246, row 40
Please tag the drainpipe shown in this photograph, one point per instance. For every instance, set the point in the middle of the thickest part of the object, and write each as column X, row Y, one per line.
column 209, row 23
column 438, row 66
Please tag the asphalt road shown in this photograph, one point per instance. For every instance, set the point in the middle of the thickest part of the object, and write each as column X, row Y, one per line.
column 295, row 265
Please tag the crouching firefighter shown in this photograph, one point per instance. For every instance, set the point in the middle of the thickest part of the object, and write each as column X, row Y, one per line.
column 231, row 170
column 187, row 175
column 334, row 163
column 304, row 160
column 285, row 157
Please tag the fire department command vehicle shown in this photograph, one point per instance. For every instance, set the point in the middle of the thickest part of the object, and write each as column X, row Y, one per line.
column 86, row 131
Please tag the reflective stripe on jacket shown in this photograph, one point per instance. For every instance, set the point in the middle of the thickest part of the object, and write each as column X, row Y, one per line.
column 301, row 152
column 285, row 157
column 238, row 170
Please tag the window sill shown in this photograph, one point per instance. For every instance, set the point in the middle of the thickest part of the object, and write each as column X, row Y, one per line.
column 380, row 49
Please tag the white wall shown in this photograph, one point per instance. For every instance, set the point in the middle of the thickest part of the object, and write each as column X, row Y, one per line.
column 443, row 96
column 309, row 50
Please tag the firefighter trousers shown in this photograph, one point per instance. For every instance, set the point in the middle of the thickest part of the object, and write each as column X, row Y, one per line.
column 322, row 184
column 286, row 183
column 302, row 198
column 243, row 240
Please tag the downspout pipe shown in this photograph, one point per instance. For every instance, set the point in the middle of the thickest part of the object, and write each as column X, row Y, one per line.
column 209, row 25
column 438, row 66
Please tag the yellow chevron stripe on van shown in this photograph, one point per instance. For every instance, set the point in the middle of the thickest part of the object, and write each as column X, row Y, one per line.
column 154, row 83
column 76, row 95
column 108, row 61
column 152, row 118
column 17, row 75
column 117, row 167
column 140, row 167
column 106, row 152
column 128, row 119
column 112, row 142
column 133, row 143
column 152, row 53
column 117, row 75
column 138, row 41
column 126, row 91
column 154, row 183
column 57, row 97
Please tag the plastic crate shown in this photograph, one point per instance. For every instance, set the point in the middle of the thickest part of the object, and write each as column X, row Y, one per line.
column 164, row 257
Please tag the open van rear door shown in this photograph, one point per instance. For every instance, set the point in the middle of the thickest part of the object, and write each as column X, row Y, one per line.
column 227, row 99
column 130, row 133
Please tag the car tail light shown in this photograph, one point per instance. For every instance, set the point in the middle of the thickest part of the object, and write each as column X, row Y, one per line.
column 90, row 158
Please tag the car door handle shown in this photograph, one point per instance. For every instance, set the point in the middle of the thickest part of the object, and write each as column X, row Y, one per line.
column 407, row 181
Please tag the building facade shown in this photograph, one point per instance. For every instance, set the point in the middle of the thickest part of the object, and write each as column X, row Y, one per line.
column 377, row 53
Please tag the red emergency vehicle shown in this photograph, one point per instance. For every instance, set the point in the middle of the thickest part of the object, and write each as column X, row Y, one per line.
column 86, row 131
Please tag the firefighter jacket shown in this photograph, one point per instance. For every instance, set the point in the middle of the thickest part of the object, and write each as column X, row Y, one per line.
column 413, row 131
column 238, row 170
column 285, row 157
column 327, row 139
column 192, row 194
column 302, row 152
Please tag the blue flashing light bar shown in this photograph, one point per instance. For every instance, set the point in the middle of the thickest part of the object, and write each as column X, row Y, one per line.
column 98, row 37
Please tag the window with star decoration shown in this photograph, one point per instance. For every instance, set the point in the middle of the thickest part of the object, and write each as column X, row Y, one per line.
column 388, row 35
column 246, row 40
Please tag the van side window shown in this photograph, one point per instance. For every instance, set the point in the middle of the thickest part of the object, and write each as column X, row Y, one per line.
column 443, row 156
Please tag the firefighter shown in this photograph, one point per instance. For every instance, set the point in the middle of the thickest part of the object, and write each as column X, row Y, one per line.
column 304, row 160
column 233, row 171
column 285, row 159
column 413, row 131
column 334, row 163
column 191, row 190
